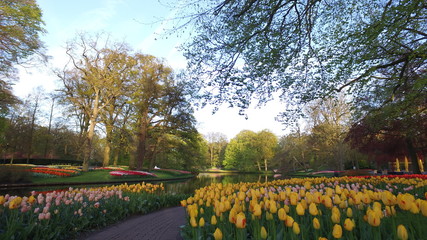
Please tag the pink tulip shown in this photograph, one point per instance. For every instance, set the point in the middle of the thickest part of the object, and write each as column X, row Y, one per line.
column 36, row 210
column 41, row 216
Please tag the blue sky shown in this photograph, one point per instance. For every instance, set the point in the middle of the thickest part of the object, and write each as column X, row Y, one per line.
column 136, row 22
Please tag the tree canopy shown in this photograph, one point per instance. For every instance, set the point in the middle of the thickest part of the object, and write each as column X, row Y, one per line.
column 20, row 27
column 244, row 51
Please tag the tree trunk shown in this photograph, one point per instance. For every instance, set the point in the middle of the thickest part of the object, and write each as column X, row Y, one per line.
column 46, row 147
column 412, row 156
column 88, row 145
column 259, row 166
column 142, row 140
column 265, row 165
column 116, row 157
column 107, row 149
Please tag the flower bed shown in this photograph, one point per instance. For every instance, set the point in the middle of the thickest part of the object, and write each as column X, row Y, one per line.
column 53, row 172
column 61, row 215
column 310, row 208
column 124, row 173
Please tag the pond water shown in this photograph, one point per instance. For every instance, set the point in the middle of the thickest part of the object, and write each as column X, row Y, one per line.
column 186, row 186
column 204, row 179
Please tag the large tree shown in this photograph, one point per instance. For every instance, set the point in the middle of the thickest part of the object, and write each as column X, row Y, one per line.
column 217, row 142
column 161, row 106
column 307, row 49
column 20, row 28
column 93, row 80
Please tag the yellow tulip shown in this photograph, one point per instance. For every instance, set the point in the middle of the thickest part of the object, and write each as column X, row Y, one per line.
column 289, row 221
column 414, row 208
column 374, row 218
column 348, row 224
column 232, row 217
column 388, row 198
column 405, row 201
column 312, row 209
column 183, row 203
column 241, row 196
column 317, row 197
column 268, row 216
column 337, row 231
column 15, row 203
column 213, row 220
column 263, row 233
column 316, row 223
column 307, row 185
column 273, row 207
column 193, row 222
column 337, row 200
column 327, row 201
column 300, row 209
column 241, row 220
column 218, row 234
column 349, row 212
column 30, row 200
column 322, row 238
column 402, row 234
column 201, row 222
column 338, row 189
column 423, row 207
column 281, row 214
column 335, row 217
column 293, row 198
column 295, row 228
column 257, row 210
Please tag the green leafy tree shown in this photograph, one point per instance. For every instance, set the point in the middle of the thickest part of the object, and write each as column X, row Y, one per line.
column 20, row 26
column 266, row 147
column 307, row 50
column 240, row 152
column 217, row 143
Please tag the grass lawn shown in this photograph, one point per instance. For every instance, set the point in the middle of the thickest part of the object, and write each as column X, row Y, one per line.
column 20, row 175
column 104, row 176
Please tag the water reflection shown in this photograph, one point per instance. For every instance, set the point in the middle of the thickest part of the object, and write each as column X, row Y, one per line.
column 186, row 186
column 205, row 179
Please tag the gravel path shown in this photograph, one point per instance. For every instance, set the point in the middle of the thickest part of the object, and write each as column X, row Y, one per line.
column 162, row 225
